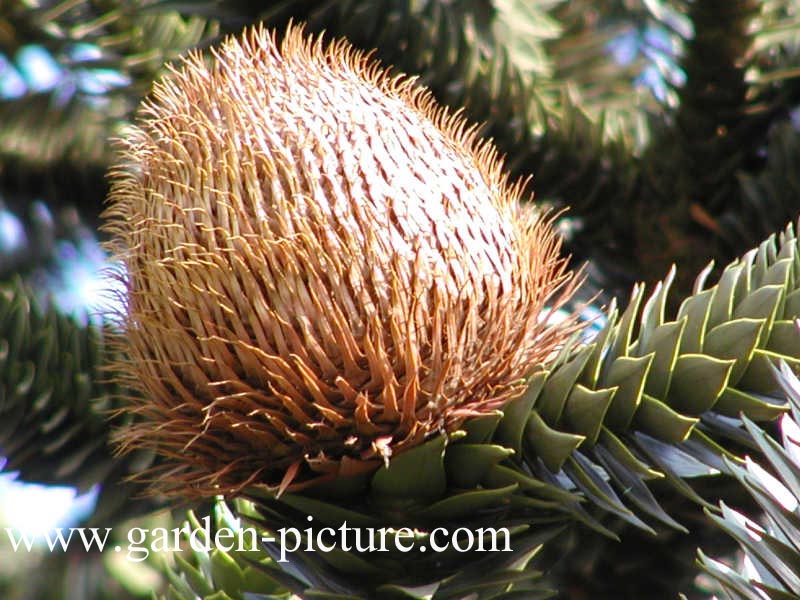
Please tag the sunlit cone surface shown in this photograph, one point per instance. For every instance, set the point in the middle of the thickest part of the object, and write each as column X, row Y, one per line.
column 324, row 268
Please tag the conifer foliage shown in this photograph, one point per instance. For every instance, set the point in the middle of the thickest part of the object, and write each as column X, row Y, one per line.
column 665, row 407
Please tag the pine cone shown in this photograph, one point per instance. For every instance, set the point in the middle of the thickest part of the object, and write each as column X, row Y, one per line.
column 324, row 268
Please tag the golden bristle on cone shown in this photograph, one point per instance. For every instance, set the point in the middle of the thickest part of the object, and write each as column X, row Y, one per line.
column 323, row 268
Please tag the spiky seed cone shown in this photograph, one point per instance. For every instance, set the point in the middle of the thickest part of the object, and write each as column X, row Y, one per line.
column 323, row 268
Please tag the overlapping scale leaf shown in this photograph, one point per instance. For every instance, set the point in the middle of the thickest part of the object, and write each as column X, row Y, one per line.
column 253, row 563
column 463, row 483
column 55, row 401
column 771, row 568
column 658, row 398
column 207, row 570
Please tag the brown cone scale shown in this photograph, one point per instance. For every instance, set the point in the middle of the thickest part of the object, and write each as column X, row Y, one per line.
column 323, row 268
